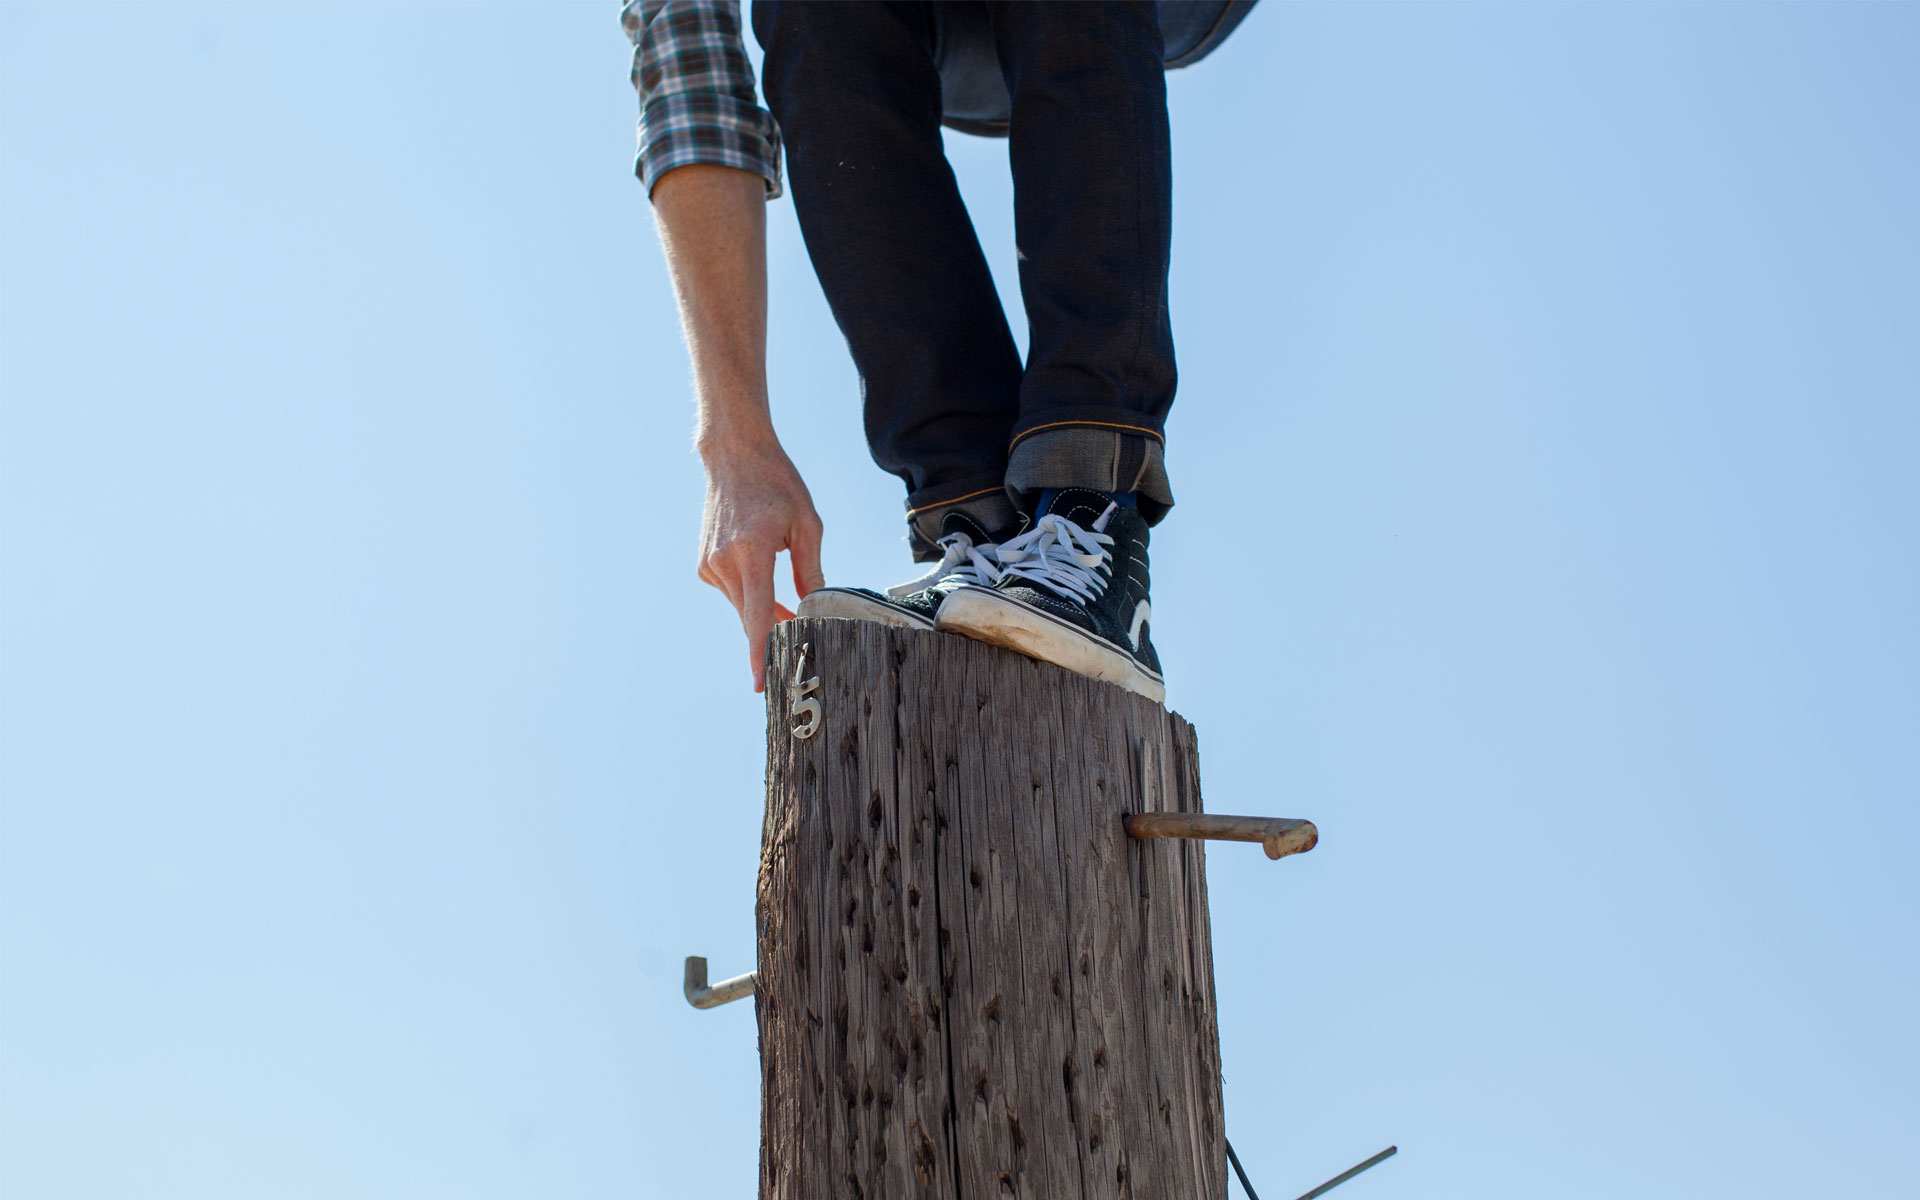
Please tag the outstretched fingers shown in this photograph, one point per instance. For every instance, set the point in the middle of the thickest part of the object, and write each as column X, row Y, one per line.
column 759, row 613
column 752, row 513
column 744, row 572
column 803, row 547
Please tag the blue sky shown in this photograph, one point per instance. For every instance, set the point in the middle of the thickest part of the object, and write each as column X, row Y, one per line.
column 1546, row 461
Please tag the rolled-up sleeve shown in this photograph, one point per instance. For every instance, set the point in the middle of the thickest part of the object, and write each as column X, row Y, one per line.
column 697, row 103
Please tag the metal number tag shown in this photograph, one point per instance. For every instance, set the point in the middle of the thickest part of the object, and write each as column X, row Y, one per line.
column 806, row 709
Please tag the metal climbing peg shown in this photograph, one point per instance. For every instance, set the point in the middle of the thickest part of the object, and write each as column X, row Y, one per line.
column 1280, row 836
column 700, row 995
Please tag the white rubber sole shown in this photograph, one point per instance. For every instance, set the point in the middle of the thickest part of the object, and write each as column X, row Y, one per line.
column 989, row 616
column 849, row 605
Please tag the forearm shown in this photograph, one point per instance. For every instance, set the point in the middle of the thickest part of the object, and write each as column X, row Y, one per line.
column 713, row 222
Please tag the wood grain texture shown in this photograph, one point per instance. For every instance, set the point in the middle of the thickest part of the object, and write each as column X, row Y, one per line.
column 972, row 983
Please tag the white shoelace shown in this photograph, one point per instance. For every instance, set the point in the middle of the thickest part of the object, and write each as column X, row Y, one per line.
column 1065, row 558
column 961, row 562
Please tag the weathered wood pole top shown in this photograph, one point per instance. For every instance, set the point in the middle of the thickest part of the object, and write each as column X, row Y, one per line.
column 971, row 981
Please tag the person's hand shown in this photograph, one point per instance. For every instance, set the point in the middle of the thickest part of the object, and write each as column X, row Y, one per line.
column 756, row 507
column 713, row 229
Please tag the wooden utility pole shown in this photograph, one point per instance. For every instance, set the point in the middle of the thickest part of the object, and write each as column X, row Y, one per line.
column 972, row 983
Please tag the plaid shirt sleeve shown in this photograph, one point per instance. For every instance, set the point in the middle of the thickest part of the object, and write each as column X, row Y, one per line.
column 695, row 82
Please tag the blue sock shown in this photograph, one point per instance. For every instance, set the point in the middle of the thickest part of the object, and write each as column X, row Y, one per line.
column 1123, row 499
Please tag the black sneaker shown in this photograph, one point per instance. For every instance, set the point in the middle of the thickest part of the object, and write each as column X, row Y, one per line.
column 968, row 558
column 1059, row 599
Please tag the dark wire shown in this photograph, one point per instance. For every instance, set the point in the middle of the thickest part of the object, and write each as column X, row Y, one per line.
column 1240, row 1171
column 1324, row 1188
column 1350, row 1172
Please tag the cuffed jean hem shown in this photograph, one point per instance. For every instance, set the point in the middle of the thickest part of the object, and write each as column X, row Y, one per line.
column 983, row 497
column 1108, row 456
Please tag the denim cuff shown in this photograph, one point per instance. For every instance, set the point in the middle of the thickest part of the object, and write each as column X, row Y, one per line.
column 1107, row 450
column 983, row 497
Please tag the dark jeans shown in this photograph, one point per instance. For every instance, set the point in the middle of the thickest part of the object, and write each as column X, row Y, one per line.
column 949, row 407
